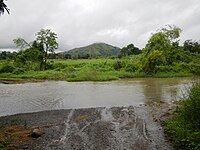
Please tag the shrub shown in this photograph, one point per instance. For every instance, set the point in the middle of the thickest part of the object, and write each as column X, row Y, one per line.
column 117, row 65
column 18, row 71
column 184, row 127
column 59, row 65
column 194, row 68
column 181, row 136
column 7, row 69
column 49, row 65
column 130, row 68
column 164, row 68
column 150, row 61
column 190, row 109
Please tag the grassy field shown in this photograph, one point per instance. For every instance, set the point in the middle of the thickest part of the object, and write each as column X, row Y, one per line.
column 94, row 70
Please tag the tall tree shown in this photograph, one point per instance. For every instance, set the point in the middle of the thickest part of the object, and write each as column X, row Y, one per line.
column 129, row 50
column 47, row 38
column 162, row 48
column 21, row 43
column 3, row 7
column 172, row 32
column 29, row 55
column 191, row 46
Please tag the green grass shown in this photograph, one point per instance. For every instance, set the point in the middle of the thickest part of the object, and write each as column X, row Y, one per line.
column 184, row 127
column 96, row 70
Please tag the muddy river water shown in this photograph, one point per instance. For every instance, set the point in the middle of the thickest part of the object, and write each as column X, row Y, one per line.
column 51, row 95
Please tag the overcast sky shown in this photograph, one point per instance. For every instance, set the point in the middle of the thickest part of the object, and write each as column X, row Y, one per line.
column 82, row 22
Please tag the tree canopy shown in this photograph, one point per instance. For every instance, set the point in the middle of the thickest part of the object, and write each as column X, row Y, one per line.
column 21, row 43
column 47, row 39
column 162, row 48
column 191, row 46
column 130, row 50
column 36, row 51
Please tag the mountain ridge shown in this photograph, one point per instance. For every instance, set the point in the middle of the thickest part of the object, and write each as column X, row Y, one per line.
column 98, row 49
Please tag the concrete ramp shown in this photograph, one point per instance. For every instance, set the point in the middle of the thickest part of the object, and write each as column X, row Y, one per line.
column 117, row 128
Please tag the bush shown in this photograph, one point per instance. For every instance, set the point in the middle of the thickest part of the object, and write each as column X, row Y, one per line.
column 150, row 61
column 184, row 127
column 117, row 65
column 194, row 68
column 130, row 68
column 177, row 67
column 49, row 65
column 18, row 71
column 190, row 109
column 164, row 69
column 59, row 65
column 181, row 136
column 7, row 69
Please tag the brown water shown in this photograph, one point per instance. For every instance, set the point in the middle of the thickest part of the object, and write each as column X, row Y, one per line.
column 50, row 95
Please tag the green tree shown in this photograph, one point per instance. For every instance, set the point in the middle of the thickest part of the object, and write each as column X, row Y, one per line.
column 7, row 55
column 130, row 50
column 191, row 46
column 3, row 7
column 165, row 41
column 67, row 56
column 47, row 38
column 158, row 41
column 152, row 60
column 172, row 32
column 21, row 43
column 30, row 58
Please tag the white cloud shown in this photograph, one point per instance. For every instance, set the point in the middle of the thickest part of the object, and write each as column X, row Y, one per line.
column 113, row 33
column 82, row 22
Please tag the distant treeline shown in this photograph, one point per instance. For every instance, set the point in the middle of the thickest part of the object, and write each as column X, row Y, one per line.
column 7, row 55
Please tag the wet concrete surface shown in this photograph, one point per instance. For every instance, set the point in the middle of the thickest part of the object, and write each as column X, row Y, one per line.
column 116, row 128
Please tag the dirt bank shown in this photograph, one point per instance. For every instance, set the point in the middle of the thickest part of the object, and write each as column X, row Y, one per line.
column 118, row 128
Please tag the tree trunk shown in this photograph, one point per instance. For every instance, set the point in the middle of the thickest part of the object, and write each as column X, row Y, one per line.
column 45, row 60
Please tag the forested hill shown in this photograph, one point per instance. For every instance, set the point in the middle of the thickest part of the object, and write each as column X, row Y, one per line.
column 93, row 51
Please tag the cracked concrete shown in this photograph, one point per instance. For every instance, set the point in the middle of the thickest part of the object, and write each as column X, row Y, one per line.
column 117, row 128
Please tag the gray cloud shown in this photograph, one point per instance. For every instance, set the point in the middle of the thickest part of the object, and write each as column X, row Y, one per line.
column 82, row 22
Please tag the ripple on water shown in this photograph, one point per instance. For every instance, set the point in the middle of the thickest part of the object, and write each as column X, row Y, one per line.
column 50, row 95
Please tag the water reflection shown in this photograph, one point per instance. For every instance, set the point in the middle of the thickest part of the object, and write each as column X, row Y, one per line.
column 166, row 90
column 49, row 95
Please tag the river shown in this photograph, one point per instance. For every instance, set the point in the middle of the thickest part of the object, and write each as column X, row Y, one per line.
column 53, row 95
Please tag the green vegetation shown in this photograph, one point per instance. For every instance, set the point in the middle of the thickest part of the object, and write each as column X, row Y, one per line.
column 34, row 55
column 184, row 128
column 162, row 56
column 129, row 50
column 92, row 51
column 76, row 70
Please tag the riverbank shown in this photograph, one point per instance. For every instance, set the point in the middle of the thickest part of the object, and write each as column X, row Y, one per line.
column 95, row 70
column 12, row 79
column 183, row 125
column 93, row 128
column 18, row 80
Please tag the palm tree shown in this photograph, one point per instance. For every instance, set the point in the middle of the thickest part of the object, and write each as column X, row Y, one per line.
column 3, row 7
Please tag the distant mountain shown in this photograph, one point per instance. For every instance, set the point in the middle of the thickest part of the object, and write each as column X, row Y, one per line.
column 93, row 50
